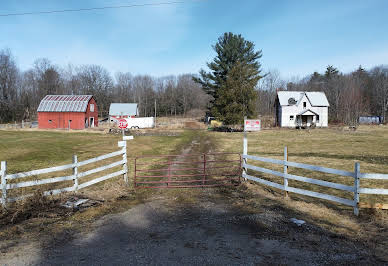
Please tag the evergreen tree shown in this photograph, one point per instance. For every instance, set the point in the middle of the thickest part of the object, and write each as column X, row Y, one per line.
column 331, row 72
column 234, row 74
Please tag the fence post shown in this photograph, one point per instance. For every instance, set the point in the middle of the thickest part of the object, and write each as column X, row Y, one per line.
column 204, row 169
column 245, row 148
column 75, row 172
column 356, row 187
column 285, row 171
column 169, row 171
column 125, row 165
column 3, row 172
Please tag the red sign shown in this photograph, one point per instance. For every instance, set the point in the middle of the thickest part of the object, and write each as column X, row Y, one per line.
column 123, row 123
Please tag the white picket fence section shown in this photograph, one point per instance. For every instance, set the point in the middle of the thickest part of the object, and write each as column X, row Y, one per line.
column 356, row 175
column 76, row 176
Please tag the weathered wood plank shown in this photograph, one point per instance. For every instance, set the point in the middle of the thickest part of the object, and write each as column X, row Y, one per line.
column 99, row 169
column 39, row 182
column 321, row 196
column 373, row 176
column 263, row 170
column 3, row 173
column 263, row 159
column 262, row 181
column 379, row 191
column 57, row 191
column 100, row 179
column 301, row 178
column 99, row 158
column 301, row 165
column 40, row 171
column 320, row 169
column 356, row 195
column 321, row 182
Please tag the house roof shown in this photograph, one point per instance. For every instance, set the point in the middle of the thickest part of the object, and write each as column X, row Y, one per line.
column 123, row 109
column 316, row 98
column 64, row 103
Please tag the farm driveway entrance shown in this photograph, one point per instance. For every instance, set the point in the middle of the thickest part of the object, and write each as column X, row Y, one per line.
column 187, row 170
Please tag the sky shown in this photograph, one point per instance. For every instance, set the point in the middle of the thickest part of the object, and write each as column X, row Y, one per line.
column 296, row 37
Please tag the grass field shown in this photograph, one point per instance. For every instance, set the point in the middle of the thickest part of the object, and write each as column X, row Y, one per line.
column 331, row 148
column 334, row 148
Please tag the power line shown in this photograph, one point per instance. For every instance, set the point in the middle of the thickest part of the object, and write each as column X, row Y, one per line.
column 90, row 9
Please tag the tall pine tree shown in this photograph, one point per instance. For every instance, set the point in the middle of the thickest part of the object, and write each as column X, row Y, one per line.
column 232, row 79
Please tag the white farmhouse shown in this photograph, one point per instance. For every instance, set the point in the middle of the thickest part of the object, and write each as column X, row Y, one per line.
column 301, row 109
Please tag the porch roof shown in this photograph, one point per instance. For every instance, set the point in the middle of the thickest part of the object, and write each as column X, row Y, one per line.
column 307, row 112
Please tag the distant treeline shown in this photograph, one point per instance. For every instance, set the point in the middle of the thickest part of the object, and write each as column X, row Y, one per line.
column 22, row 91
column 350, row 95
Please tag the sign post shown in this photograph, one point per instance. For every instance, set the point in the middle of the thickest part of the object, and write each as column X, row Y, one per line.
column 249, row 125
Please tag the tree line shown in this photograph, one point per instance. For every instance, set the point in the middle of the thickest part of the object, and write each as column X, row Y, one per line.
column 22, row 91
column 235, row 87
column 350, row 95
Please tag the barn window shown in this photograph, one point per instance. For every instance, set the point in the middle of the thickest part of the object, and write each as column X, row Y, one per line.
column 317, row 119
column 291, row 117
column 304, row 105
column 50, row 121
column 91, row 107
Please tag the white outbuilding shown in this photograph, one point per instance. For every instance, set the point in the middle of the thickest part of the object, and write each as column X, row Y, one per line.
column 122, row 110
column 301, row 109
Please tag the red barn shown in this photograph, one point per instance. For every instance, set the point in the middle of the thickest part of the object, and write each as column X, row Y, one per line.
column 68, row 111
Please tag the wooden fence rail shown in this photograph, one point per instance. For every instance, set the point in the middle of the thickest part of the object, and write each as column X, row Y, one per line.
column 76, row 176
column 356, row 175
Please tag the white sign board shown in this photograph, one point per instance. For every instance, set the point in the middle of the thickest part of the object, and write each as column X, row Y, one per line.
column 252, row 125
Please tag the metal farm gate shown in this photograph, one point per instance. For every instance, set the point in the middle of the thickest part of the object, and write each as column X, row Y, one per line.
column 187, row 170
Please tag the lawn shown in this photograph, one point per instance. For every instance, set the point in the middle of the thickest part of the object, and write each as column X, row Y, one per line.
column 333, row 148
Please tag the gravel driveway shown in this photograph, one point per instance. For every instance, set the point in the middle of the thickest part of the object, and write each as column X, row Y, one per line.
column 165, row 231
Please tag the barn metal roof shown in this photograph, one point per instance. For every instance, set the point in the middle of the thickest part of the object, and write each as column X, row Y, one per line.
column 316, row 98
column 64, row 103
column 123, row 109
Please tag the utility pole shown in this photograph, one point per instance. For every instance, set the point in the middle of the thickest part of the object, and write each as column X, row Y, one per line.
column 155, row 115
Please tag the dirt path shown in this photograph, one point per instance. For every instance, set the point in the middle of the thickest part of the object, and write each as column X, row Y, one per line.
column 167, row 232
column 195, row 227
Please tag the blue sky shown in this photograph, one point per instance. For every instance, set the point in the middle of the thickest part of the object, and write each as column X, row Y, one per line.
column 296, row 37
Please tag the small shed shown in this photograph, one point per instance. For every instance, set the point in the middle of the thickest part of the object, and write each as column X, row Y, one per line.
column 68, row 111
column 370, row 119
column 122, row 110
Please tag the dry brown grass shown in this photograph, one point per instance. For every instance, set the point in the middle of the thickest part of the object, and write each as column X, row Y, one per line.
column 334, row 148
column 26, row 151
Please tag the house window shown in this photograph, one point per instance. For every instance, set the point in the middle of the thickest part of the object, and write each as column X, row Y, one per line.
column 291, row 117
column 91, row 107
column 317, row 120
column 304, row 105
column 50, row 121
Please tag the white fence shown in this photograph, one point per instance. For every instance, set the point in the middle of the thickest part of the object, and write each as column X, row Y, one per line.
column 76, row 176
column 356, row 175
